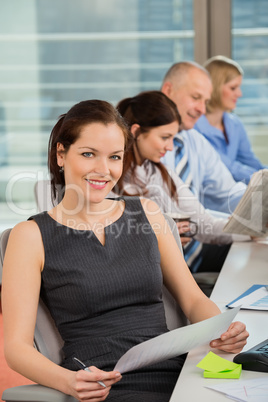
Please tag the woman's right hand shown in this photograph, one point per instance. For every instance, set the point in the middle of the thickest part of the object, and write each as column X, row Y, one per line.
column 85, row 384
column 184, row 226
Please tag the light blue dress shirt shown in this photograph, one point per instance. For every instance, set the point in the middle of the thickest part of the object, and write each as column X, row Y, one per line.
column 213, row 184
column 237, row 155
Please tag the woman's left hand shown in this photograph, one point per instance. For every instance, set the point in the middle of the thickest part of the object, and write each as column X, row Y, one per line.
column 233, row 340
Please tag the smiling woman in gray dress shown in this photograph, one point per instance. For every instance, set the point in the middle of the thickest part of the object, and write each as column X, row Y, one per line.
column 99, row 265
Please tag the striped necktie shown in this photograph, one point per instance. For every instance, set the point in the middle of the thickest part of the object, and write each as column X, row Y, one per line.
column 182, row 167
column 192, row 250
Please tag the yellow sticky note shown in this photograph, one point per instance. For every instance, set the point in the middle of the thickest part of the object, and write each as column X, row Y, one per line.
column 217, row 367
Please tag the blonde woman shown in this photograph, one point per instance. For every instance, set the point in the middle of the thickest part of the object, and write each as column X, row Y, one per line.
column 222, row 128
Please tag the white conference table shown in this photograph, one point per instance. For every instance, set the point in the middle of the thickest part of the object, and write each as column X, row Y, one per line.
column 245, row 265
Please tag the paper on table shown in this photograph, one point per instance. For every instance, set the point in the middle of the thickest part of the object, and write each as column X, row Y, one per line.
column 176, row 342
column 257, row 300
column 250, row 216
column 255, row 390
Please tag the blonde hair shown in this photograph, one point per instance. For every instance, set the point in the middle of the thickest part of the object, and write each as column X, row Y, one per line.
column 221, row 70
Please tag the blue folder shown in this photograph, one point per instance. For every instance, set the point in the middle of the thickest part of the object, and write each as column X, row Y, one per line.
column 246, row 293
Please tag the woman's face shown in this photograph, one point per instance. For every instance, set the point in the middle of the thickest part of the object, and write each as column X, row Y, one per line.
column 230, row 93
column 93, row 164
column 155, row 143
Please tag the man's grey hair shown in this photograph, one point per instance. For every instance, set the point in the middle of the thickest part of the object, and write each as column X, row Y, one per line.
column 178, row 71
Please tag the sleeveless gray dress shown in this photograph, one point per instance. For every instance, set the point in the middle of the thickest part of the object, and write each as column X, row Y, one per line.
column 107, row 298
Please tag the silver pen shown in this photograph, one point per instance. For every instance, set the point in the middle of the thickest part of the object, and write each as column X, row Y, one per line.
column 84, row 367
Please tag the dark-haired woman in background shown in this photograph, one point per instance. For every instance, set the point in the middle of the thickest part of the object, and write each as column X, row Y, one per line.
column 154, row 121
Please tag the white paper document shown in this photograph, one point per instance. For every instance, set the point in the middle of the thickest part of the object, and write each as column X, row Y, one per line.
column 255, row 390
column 251, row 214
column 176, row 342
column 257, row 300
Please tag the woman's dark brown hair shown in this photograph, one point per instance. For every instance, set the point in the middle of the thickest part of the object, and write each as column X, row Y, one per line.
column 148, row 109
column 68, row 128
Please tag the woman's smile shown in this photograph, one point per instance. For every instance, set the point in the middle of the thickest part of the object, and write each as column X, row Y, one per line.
column 97, row 184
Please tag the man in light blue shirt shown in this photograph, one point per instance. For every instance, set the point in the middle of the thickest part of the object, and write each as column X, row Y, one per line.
column 189, row 86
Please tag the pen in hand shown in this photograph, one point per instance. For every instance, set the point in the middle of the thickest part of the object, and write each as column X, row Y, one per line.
column 84, row 367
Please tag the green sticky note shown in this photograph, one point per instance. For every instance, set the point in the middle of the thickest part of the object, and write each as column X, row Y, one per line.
column 235, row 373
column 217, row 367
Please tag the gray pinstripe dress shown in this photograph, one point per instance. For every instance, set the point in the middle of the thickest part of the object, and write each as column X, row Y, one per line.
column 107, row 298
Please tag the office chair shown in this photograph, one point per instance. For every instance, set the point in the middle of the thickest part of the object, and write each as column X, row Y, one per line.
column 47, row 339
column 43, row 197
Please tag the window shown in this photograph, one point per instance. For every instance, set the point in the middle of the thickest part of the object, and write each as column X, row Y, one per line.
column 57, row 53
column 249, row 48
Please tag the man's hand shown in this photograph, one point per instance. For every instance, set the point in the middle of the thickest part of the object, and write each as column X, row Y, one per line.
column 184, row 227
